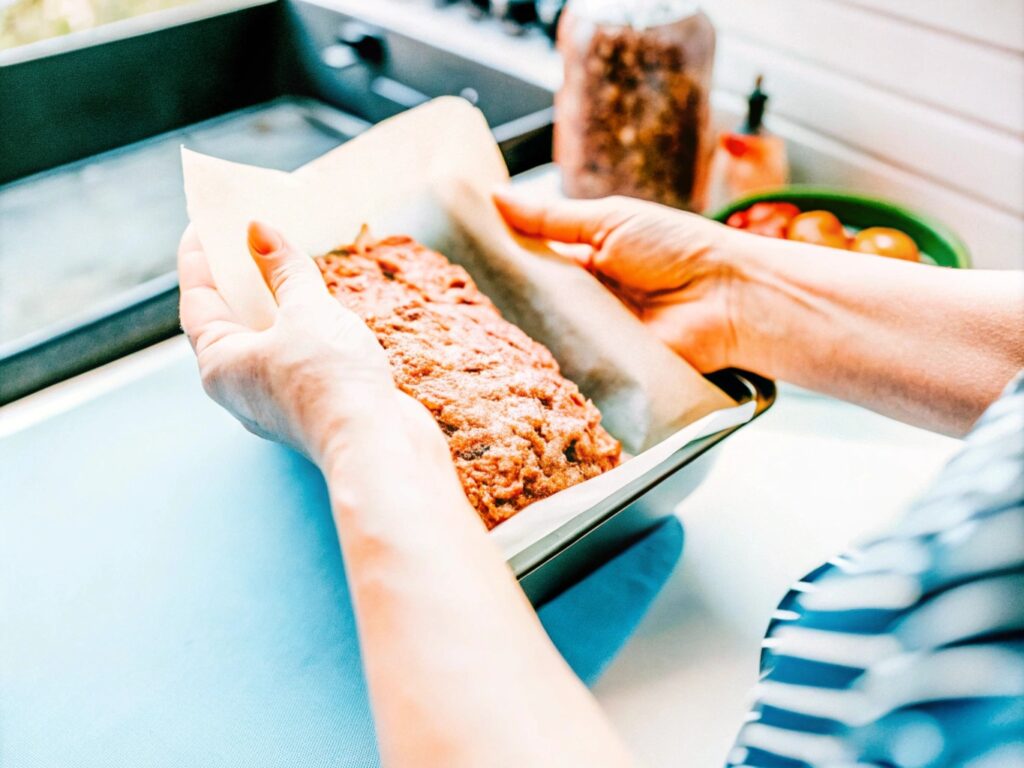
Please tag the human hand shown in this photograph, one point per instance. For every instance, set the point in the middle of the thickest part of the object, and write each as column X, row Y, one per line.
column 316, row 379
column 669, row 267
column 850, row 325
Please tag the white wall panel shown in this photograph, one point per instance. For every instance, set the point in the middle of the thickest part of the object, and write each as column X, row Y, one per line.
column 982, row 83
column 995, row 22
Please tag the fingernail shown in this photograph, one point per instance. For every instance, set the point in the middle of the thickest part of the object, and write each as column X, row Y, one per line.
column 263, row 239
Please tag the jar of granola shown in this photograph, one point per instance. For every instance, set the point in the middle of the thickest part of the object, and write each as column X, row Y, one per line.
column 633, row 113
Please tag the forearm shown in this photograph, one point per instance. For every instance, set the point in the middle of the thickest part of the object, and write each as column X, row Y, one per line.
column 459, row 669
column 929, row 346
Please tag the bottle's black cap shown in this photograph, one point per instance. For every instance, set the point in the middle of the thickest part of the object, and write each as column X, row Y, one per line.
column 755, row 108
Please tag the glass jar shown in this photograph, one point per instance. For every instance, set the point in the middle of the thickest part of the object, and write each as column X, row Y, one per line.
column 633, row 113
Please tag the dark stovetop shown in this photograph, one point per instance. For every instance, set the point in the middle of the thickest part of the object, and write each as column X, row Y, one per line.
column 98, row 220
column 91, row 201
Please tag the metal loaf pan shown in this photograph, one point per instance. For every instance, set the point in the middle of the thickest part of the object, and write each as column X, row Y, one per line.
column 91, row 201
column 563, row 557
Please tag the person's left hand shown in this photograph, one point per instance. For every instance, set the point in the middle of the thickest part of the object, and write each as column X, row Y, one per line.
column 316, row 379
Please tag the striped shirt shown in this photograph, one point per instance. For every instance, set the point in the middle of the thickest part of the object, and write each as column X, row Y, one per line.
column 908, row 651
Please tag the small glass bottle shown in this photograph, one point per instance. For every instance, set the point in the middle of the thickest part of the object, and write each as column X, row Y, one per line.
column 633, row 113
column 748, row 159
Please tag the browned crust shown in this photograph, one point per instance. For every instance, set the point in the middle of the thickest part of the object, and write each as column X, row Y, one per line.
column 518, row 430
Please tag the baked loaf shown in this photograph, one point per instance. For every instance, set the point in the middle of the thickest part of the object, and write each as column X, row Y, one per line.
column 517, row 429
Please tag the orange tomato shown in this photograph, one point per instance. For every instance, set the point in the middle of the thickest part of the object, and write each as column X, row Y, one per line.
column 818, row 228
column 884, row 241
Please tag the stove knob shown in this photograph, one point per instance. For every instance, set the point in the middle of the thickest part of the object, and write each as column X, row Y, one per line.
column 548, row 14
column 478, row 8
column 519, row 13
column 366, row 42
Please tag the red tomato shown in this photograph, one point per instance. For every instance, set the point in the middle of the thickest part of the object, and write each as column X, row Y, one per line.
column 768, row 219
column 739, row 220
column 766, row 211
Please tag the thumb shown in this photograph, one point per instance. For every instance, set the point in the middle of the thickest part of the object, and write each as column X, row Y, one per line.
column 291, row 275
column 565, row 221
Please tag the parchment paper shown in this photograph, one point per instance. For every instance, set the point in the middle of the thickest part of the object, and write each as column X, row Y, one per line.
column 429, row 173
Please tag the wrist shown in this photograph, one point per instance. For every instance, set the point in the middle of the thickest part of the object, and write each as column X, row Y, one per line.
column 759, row 307
column 342, row 416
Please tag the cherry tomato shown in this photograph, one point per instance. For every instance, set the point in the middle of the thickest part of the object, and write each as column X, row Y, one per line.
column 818, row 228
column 769, row 219
column 766, row 211
column 884, row 241
column 739, row 220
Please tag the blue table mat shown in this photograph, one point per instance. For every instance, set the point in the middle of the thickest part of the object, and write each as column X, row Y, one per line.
column 172, row 594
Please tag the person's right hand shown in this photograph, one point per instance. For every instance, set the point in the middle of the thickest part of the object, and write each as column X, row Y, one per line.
column 669, row 267
column 851, row 325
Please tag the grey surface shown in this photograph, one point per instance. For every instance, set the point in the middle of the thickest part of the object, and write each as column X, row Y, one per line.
column 75, row 237
column 83, row 260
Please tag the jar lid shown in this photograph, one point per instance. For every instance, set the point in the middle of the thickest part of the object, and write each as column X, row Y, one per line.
column 639, row 14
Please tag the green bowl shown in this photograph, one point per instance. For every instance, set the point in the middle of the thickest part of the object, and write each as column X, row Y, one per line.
column 936, row 241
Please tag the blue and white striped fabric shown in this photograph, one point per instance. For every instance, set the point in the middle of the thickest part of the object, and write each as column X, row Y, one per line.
column 908, row 652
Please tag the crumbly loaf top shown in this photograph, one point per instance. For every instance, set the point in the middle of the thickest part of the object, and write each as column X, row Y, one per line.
column 518, row 430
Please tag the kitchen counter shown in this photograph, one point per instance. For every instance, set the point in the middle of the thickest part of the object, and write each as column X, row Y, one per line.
column 784, row 494
column 808, row 478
